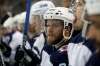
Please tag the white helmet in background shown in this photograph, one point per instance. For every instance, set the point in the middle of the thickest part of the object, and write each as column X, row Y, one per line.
column 40, row 7
column 61, row 13
column 15, row 22
column 92, row 7
column 19, row 20
column 8, row 22
column 12, row 21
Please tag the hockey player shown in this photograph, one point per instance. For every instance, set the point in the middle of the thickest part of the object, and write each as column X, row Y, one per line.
column 18, row 23
column 92, row 15
column 78, row 25
column 59, row 25
column 36, row 37
column 80, row 46
column 11, row 39
column 2, row 46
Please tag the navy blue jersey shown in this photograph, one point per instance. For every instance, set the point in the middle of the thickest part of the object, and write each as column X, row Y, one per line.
column 34, row 47
column 7, row 38
column 54, row 57
column 5, row 41
column 60, row 57
column 94, row 60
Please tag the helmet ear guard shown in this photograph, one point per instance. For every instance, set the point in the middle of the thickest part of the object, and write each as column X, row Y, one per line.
column 67, row 31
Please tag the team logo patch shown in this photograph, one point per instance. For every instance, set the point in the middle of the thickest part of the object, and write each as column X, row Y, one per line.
column 63, row 48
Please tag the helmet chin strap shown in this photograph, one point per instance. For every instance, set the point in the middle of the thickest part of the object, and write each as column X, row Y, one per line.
column 64, row 40
column 61, row 43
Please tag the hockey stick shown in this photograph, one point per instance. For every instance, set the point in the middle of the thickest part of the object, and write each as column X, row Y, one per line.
column 1, row 55
column 26, row 25
column 2, row 60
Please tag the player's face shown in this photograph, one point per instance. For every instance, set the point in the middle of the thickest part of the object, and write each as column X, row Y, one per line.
column 78, row 24
column 3, row 31
column 35, row 24
column 95, row 26
column 90, row 33
column 54, row 31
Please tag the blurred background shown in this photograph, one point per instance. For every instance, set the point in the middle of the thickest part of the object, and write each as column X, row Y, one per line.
column 13, row 7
